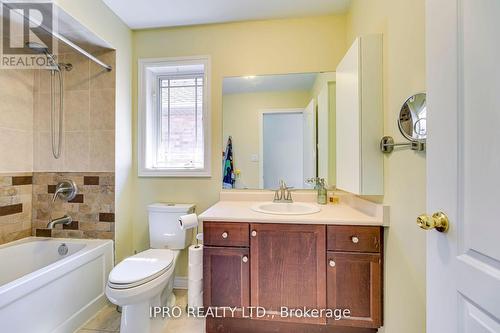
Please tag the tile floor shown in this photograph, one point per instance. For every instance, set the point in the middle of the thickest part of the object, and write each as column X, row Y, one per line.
column 108, row 320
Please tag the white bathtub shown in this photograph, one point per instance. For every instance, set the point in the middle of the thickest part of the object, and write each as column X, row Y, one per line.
column 43, row 291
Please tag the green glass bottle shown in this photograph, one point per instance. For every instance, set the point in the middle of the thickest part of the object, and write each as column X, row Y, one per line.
column 322, row 192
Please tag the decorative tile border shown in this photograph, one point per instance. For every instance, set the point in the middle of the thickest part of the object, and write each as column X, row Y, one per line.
column 15, row 206
column 22, row 180
column 90, row 180
column 25, row 205
column 11, row 209
column 92, row 209
column 107, row 217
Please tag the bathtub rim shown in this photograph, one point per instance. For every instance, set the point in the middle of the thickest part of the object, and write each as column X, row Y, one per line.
column 94, row 248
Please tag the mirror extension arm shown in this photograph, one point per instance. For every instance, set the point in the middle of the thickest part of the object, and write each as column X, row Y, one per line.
column 387, row 145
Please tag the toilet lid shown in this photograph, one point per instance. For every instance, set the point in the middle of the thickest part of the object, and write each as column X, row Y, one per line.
column 141, row 268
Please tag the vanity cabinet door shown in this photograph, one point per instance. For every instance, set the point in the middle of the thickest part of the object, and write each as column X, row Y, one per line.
column 287, row 268
column 354, row 282
column 226, row 277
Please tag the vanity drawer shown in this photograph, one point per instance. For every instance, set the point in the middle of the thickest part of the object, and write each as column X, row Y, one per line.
column 354, row 238
column 226, row 234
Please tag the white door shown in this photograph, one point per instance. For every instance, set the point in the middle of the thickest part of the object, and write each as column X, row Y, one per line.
column 463, row 165
column 282, row 151
column 309, row 130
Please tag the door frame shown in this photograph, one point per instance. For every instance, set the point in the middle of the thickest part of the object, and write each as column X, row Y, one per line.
column 261, row 114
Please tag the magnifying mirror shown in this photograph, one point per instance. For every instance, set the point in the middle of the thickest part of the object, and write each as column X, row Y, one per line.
column 412, row 119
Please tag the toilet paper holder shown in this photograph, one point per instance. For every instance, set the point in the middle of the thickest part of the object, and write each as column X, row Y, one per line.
column 199, row 236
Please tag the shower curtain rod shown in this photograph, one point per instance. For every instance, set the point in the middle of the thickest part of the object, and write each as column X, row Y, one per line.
column 80, row 50
column 69, row 43
column 65, row 40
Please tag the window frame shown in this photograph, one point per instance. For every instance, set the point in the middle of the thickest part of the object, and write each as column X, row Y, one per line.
column 149, row 73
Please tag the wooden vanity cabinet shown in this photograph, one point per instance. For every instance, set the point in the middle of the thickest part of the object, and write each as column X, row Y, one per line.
column 354, row 274
column 226, row 280
column 354, row 283
column 226, row 265
column 295, row 266
column 287, row 268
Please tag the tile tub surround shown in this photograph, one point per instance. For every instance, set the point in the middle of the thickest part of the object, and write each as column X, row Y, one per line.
column 15, row 206
column 16, row 120
column 88, row 142
column 92, row 210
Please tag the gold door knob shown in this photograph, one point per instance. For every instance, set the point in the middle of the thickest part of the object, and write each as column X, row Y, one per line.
column 438, row 221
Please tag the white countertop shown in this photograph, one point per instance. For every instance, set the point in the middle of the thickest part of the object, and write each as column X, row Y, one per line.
column 350, row 211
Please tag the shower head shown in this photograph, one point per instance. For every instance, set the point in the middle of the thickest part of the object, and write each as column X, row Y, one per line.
column 39, row 48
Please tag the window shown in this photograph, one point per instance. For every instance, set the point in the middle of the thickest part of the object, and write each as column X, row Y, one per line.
column 174, row 117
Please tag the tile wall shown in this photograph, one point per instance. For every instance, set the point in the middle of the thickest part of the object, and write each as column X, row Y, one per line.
column 16, row 120
column 15, row 206
column 88, row 150
column 89, row 117
column 92, row 210
column 16, row 153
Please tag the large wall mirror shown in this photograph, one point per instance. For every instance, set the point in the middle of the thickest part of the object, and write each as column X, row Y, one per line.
column 278, row 127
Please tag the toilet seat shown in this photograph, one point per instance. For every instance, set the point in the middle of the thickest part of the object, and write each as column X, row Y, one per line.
column 141, row 268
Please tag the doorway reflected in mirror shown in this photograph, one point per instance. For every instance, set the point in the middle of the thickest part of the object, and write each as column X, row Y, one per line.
column 281, row 127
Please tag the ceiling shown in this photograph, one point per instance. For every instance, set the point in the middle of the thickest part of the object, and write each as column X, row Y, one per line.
column 168, row 13
column 268, row 83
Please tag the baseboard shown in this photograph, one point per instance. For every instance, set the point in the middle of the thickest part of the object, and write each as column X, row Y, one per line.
column 180, row 282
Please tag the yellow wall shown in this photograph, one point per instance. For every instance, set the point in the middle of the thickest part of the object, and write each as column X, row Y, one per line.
column 403, row 24
column 97, row 17
column 241, row 121
column 248, row 48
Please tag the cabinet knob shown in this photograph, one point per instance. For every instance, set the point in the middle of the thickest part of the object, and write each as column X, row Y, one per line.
column 225, row 234
column 244, row 259
column 254, row 233
column 331, row 262
column 355, row 239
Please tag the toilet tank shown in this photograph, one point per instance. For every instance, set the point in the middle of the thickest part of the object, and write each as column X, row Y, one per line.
column 164, row 227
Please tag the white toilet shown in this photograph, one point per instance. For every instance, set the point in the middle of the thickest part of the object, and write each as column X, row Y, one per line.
column 146, row 279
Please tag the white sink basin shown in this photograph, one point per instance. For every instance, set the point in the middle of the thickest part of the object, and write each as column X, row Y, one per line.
column 295, row 208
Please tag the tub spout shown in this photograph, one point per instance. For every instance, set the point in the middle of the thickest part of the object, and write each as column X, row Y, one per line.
column 66, row 219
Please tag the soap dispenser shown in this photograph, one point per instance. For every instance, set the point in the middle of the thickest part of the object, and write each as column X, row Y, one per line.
column 322, row 192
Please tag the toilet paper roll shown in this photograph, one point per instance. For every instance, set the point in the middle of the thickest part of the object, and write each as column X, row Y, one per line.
column 189, row 221
column 195, row 286
column 196, row 255
column 195, row 300
column 195, row 272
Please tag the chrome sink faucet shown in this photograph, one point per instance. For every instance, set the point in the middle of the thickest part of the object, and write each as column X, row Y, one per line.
column 65, row 220
column 283, row 194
